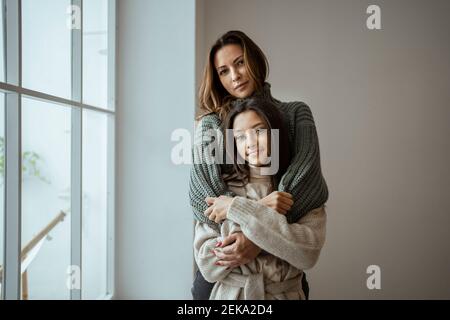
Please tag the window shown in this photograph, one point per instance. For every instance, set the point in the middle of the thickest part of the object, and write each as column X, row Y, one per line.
column 46, row 47
column 2, row 47
column 2, row 183
column 96, row 126
column 57, row 105
column 46, row 169
column 95, row 53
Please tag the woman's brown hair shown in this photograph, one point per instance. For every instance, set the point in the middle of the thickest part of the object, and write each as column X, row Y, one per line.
column 213, row 97
column 273, row 119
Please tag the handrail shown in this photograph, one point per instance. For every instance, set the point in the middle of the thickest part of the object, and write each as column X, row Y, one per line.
column 60, row 217
column 33, row 242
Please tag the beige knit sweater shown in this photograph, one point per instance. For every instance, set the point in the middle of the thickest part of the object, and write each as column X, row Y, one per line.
column 287, row 249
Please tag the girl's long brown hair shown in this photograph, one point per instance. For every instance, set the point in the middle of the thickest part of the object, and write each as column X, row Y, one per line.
column 213, row 97
column 273, row 119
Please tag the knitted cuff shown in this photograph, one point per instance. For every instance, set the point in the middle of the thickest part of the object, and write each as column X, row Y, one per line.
column 239, row 210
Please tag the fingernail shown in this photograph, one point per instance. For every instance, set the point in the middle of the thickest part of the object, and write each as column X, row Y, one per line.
column 213, row 252
column 217, row 264
column 218, row 244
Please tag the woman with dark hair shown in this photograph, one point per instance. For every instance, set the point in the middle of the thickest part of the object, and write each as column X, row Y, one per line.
column 277, row 272
column 237, row 69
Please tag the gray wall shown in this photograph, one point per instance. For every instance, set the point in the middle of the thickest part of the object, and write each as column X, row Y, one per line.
column 381, row 104
column 156, row 94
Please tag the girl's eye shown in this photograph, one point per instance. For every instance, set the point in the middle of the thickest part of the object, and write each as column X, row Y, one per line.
column 260, row 131
column 222, row 72
column 240, row 137
column 240, row 62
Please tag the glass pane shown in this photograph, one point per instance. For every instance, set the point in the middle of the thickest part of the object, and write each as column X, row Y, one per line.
column 46, row 147
column 94, row 221
column 2, row 48
column 95, row 53
column 46, row 45
column 2, row 183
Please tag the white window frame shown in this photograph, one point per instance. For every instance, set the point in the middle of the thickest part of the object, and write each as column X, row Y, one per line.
column 12, row 87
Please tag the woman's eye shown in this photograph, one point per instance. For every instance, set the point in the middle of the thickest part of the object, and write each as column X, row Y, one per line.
column 222, row 72
column 240, row 137
column 260, row 131
column 240, row 62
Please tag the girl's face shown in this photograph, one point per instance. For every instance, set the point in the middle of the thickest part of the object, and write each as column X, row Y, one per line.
column 230, row 66
column 250, row 133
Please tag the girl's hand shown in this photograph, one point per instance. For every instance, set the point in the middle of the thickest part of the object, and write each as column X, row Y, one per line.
column 218, row 208
column 278, row 201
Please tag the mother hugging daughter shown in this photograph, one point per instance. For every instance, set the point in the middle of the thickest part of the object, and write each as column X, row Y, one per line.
column 256, row 231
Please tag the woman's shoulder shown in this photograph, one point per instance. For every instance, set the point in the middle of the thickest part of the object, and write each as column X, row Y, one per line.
column 209, row 120
column 297, row 110
column 294, row 106
column 207, row 127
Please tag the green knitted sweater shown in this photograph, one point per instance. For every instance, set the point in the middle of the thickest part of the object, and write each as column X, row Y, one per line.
column 303, row 178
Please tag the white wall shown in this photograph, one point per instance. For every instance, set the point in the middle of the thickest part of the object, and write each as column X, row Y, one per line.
column 381, row 105
column 156, row 94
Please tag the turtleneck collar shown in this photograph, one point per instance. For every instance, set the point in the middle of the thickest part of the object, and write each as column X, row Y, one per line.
column 264, row 93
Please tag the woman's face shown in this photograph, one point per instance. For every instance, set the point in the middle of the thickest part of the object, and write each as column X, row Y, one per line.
column 230, row 66
column 250, row 133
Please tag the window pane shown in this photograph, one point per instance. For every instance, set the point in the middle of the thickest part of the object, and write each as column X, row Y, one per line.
column 46, row 45
column 2, row 184
column 95, row 53
column 94, row 228
column 2, row 50
column 46, row 147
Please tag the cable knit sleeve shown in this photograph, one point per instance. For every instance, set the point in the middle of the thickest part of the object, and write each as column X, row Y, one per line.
column 303, row 178
column 298, row 243
column 205, row 176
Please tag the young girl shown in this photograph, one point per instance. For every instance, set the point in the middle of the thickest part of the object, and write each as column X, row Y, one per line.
column 287, row 249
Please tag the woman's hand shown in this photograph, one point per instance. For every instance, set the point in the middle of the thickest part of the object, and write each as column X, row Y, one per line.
column 278, row 201
column 218, row 208
column 237, row 250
